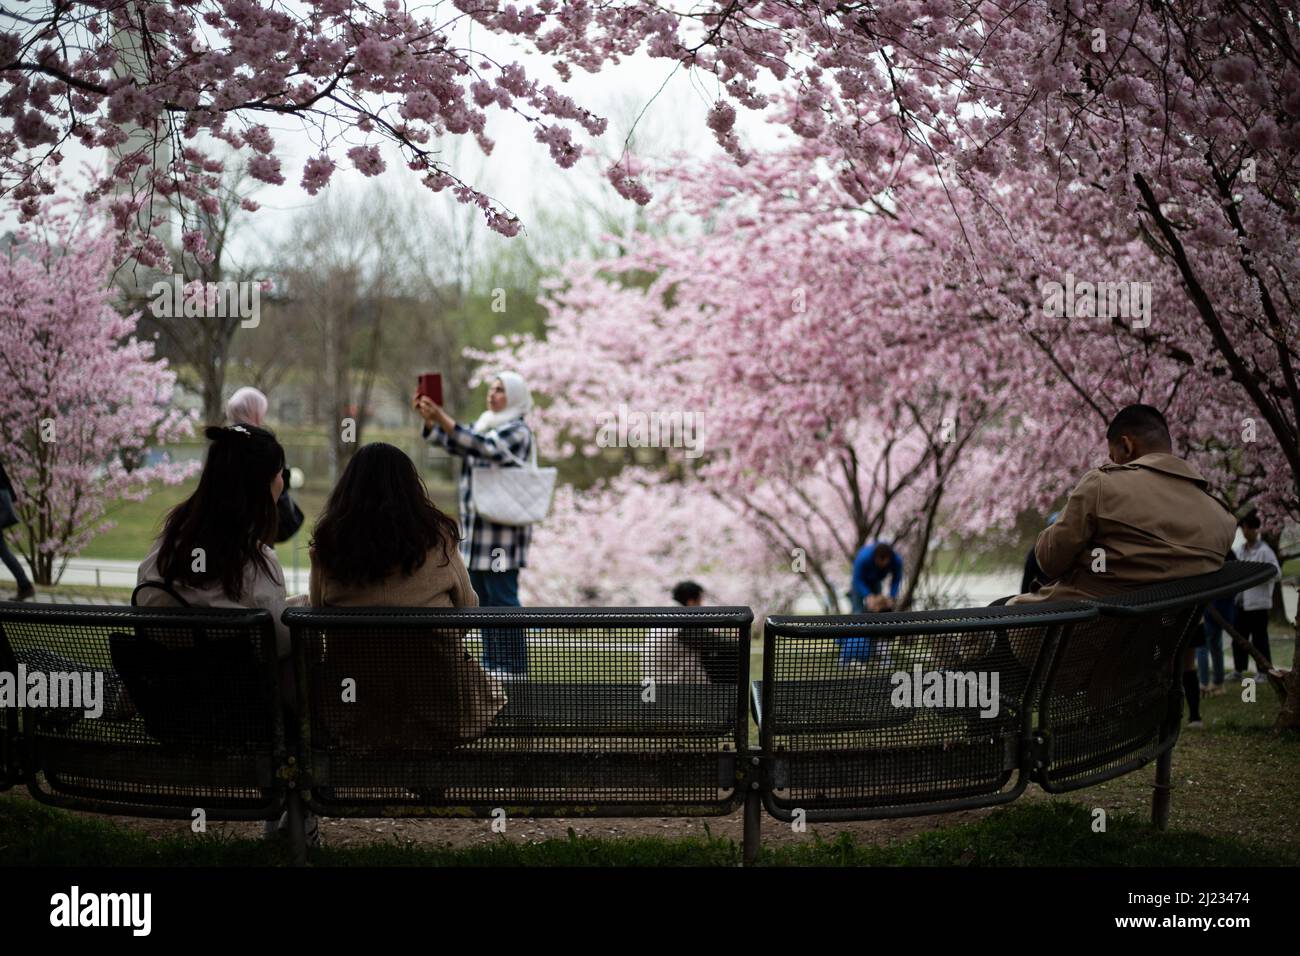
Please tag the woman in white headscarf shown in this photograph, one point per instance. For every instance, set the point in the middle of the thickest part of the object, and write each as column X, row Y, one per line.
column 248, row 407
column 493, row 552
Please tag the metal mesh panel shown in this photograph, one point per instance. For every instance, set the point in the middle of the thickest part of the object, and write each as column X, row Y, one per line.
column 881, row 715
column 616, row 711
column 1113, row 699
column 1115, row 685
column 9, row 767
column 189, row 709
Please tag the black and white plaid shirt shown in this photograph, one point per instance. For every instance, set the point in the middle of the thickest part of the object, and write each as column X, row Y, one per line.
column 486, row 545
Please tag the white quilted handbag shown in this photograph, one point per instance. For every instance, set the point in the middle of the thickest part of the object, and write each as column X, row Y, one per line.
column 514, row 496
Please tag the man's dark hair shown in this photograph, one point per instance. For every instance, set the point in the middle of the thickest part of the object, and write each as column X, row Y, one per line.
column 684, row 591
column 1142, row 422
column 882, row 552
column 1251, row 521
column 379, row 520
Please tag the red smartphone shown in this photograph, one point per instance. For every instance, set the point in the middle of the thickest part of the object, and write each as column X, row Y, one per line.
column 430, row 384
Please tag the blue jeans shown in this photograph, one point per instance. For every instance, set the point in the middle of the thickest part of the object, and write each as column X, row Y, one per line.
column 503, row 649
column 855, row 648
column 1212, row 651
column 13, row 564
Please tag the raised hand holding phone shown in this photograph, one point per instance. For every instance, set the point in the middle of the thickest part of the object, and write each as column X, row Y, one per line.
column 428, row 402
column 430, row 384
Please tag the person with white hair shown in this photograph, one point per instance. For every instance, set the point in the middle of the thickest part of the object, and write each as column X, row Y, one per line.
column 493, row 552
column 248, row 406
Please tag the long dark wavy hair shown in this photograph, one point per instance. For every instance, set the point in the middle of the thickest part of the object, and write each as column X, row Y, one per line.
column 379, row 518
column 231, row 514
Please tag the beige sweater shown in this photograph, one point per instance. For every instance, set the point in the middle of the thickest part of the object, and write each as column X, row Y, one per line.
column 260, row 591
column 441, row 581
column 434, row 693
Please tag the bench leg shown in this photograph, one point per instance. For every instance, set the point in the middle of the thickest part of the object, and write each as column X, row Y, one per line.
column 1161, row 793
column 753, row 826
column 297, row 830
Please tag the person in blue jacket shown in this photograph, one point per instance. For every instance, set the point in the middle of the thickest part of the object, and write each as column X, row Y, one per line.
column 875, row 562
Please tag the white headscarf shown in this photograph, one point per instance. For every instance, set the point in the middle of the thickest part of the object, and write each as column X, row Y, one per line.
column 246, row 407
column 518, row 403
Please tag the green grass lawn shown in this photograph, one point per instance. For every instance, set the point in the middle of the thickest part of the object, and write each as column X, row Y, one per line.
column 138, row 523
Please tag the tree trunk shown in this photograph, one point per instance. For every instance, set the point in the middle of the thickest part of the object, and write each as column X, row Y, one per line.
column 1288, row 717
column 214, row 382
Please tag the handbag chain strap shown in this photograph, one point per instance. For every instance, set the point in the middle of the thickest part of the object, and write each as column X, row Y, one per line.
column 532, row 445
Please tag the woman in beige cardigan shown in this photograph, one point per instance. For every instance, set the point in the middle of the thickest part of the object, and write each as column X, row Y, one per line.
column 381, row 542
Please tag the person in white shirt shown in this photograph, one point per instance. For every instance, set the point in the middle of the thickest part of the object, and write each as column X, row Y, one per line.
column 676, row 656
column 1255, row 603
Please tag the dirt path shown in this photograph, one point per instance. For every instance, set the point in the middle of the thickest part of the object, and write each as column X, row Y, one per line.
column 464, row 833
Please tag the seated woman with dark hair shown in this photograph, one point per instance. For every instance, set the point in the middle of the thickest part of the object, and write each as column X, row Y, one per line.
column 215, row 547
column 381, row 542
column 215, row 551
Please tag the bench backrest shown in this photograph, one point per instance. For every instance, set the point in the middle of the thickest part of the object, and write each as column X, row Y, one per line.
column 620, row 710
column 1112, row 699
column 894, row 714
column 191, row 709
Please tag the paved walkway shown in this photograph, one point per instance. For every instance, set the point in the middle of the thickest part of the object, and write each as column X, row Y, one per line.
column 108, row 573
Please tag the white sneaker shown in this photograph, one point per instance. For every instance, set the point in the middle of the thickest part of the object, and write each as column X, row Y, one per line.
column 273, row 829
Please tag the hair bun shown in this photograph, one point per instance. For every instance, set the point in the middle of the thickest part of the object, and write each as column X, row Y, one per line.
column 218, row 432
column 250, row 434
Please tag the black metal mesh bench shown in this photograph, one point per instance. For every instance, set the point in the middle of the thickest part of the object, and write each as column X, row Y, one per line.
column 1089, row 691
column 845, row 736
column 616, row 711
column 621, row 711
column 10, row 770
column 191, row 710
column 1112, row 699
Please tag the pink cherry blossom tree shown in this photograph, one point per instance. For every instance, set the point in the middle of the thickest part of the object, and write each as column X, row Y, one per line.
column 826, row 343
column 84, row 400
column 641, row 532
column 835, row 408
column 156, row 83
column 1178, row 117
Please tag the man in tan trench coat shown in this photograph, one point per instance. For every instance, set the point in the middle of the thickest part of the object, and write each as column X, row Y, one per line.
column 1145, row 517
